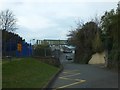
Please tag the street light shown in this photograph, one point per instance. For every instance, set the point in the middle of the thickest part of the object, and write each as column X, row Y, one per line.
column 31, row 45
column 31, row 41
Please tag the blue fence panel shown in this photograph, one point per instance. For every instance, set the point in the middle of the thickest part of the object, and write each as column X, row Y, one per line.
column 26, row 50
column 11, row 49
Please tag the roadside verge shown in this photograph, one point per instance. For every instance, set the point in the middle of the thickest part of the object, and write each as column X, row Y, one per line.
column 46, row 86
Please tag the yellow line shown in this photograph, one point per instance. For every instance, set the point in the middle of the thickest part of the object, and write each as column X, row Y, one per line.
column 71, row 75
column 71, row 70
column 69, row 79
column 67, row 72
column 81, row 81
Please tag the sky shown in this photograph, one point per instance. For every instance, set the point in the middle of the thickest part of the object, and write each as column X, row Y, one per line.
column 53, row 19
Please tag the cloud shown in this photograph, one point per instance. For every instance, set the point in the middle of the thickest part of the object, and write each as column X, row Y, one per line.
column 62, row 1
column 34, row 22
column 58, row 33
column 52, row 19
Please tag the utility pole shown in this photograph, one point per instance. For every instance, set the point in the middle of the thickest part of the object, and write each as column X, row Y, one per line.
column 30, row 46
column 45, row 52
column 59, row 48
column 59, row 52
column 33, row 48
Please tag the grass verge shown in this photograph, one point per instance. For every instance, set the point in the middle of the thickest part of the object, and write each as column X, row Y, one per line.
column 26, row 73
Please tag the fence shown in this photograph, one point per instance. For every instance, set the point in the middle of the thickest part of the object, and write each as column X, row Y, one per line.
column 43, row 52
column 10, row 49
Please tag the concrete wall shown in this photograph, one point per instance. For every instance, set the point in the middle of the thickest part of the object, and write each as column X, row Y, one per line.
column 98, row 58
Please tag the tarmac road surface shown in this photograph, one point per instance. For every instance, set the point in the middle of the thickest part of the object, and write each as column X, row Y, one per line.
column 84, row 76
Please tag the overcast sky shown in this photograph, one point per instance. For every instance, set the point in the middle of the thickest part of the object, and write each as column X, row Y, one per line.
column 53, row 19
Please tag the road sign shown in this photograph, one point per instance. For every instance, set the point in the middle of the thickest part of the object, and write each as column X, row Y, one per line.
column 19, row 47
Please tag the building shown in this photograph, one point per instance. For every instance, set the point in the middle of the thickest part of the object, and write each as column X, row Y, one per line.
column 52, row 42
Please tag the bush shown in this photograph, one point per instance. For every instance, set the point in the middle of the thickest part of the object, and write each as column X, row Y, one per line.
column 49, row 60
column 113, row 58
column 42, row 50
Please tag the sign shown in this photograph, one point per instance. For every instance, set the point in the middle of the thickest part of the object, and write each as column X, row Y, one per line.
column 19, row 47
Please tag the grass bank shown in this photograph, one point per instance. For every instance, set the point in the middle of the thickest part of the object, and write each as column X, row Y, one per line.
column 26, row 73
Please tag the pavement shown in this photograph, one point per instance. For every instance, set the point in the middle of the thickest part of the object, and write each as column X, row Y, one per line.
column 84, row 76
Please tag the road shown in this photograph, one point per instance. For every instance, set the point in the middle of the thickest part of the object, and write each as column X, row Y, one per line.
column 84, row 76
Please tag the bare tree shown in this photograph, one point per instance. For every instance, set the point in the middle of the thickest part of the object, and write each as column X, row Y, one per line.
column 7, row 23
column 7, row 20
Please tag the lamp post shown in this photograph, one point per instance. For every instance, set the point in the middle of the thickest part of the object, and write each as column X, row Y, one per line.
column 33, row 46
column 59, row 51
